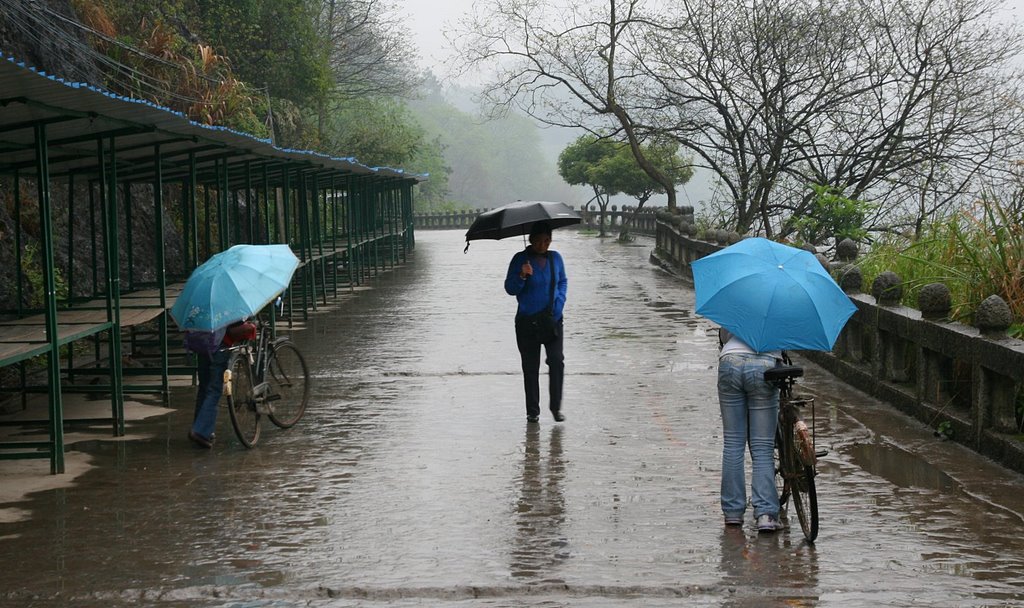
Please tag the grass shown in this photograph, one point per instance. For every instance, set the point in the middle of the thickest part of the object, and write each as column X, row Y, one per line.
column 978, row 253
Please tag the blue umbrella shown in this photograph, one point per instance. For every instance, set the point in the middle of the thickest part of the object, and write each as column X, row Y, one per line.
column 233, row 285
column 771, row 296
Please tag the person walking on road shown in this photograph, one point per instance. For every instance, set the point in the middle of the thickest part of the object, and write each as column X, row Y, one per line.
column 750, row 411
column 536, row 277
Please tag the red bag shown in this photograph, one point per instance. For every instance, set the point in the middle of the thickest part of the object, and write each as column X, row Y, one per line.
column 239, row 332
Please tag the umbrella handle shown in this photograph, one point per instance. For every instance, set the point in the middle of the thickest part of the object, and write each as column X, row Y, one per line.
column 466, row 250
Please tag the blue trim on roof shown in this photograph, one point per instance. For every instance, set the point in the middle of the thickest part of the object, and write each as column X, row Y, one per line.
column 216, row 128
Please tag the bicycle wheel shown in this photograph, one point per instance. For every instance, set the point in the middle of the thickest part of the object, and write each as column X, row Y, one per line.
column 288, row 377
column 241, row 405
column 795, row 480
column 805, row 499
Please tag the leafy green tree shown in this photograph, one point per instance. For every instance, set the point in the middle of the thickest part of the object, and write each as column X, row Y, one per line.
column 580, row 164
column 626, row 176
column 383, row 132
column 432, row 194
column 609, row 167
column 832, row 215
column 378, row 132
column 270, row 42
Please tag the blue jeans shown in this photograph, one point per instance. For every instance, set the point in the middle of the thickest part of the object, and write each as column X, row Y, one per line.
column 210, row 370
column 750, row 410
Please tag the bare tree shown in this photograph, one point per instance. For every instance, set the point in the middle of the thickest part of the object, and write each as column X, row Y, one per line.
column 904, row 103
column 893, row 101
column 368, row 52
column 567, row 64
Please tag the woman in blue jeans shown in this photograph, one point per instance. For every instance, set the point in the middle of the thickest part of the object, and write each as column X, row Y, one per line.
column 210, row 367
column 750, row 410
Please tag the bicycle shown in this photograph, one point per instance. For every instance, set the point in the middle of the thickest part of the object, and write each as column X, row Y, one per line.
column 795, row 453
column 265, row 376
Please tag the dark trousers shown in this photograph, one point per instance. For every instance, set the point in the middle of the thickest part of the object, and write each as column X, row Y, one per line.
column 529, row 351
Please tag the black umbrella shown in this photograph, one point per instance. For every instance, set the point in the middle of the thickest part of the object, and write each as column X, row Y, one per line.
column 515, row 219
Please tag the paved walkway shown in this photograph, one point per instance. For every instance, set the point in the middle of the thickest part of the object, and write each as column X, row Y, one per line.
column 415, row 481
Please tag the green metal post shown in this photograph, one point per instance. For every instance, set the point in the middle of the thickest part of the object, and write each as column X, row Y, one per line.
column 17, row 242
column 71, row 244
column 130, row 251
column 349, row 223
column 223, row 220
column 19, row 277
column 307, row 266
column 129, row 225
column 237, row 221
column 194, row 210
column 410, row 216
column 92, row 241
column 318, row 235
column 393, row 219
column 193, row 236
column 249, row 204
column 334, row 235
column 111, row 248
column 187, row 219
column 96, row 233
column 359, row 225
column 375, row 210
column 71, row 261
column 161, row 268
column 207, row 224
column 286, row 232
column 53, row 356
column 267, row 215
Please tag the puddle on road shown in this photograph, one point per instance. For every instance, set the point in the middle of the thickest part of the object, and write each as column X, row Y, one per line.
column 900, row 467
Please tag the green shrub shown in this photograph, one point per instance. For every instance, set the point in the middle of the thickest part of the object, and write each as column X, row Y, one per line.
column 978, row 253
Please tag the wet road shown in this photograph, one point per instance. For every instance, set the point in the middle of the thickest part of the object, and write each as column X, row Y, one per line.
column 414, row 479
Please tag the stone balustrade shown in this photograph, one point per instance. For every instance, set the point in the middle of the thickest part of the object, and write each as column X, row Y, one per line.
column 643, row 223
column 966, row 381
column 448, row 220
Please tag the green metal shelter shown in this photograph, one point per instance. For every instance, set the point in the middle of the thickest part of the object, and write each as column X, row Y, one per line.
column 133, row 176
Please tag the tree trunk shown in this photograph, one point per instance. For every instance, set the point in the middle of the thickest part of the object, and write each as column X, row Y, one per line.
column 648, row 167
column 626, row 221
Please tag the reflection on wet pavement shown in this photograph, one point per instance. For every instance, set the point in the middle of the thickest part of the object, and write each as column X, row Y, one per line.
column 900, row 467
column 539, row 546
column 414, row 479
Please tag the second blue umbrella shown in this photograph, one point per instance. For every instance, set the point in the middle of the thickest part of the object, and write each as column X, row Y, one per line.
column 771, row 296
column 232, row 285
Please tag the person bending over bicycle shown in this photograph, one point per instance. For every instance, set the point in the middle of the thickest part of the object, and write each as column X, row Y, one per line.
column 212, row 359
column 750, row 410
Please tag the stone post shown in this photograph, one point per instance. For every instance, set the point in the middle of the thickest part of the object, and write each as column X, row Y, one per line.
column 890, row 361
column 934, row 301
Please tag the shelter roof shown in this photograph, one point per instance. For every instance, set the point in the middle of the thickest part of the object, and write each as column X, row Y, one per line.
column 76, row 115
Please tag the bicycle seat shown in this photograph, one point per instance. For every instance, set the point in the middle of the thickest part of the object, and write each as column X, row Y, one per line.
column 783, row 372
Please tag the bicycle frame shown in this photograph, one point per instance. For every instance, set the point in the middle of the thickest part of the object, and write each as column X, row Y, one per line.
column 257, row 353
column 791, row 420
